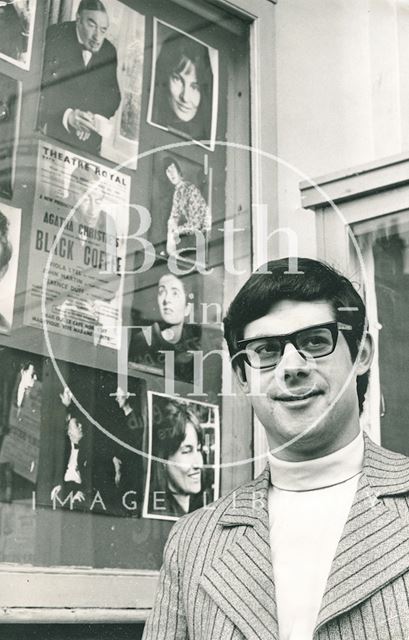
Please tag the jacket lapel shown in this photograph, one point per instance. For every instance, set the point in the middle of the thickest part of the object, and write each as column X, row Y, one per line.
column 240, row 581
column 374, row 546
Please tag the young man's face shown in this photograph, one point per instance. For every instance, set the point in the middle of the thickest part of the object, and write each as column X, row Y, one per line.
column 312, row 398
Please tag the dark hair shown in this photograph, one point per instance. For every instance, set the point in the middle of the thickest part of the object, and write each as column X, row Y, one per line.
column 168, row 437
column 311, row 280
column 6, row 250
column 91, row 5
column 176, row 51
column 172, row 429
column 168, row 161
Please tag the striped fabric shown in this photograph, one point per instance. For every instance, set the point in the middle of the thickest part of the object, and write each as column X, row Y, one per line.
column 217, row 578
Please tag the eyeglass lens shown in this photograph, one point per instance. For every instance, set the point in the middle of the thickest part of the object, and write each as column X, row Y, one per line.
column 315, row 342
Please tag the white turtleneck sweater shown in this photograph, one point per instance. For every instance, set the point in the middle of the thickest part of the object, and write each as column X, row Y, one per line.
column 309, row 502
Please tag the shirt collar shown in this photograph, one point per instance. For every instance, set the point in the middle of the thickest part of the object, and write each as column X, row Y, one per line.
column 321, row 472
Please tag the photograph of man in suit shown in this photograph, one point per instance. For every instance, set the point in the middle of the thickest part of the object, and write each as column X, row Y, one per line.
column 80, row 90
column 71, row 482
column 317, row 546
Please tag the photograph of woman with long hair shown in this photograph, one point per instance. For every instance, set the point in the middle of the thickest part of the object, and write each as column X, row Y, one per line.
column 184, row 85
column 178, row 482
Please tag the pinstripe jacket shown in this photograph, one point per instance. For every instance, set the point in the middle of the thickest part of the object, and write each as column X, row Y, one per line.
column 217, row 578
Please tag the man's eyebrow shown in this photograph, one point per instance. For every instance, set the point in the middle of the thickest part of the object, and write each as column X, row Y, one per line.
column 94, row 23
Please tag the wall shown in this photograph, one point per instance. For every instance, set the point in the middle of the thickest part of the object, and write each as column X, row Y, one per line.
column 342, row 92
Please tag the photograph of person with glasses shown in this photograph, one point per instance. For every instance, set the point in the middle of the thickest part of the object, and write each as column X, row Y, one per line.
column 315, row 544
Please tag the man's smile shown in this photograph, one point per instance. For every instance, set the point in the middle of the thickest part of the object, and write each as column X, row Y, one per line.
column 300, row 396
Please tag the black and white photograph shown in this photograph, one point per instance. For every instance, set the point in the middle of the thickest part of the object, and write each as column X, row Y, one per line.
column 84, row 282
column 78, row 443
column 165, row 333
column 181, row 204
column 203, row 352
column 184, row 85
column 10, row 111
column 92, row 78
column 10, row 227
column 17, row 19
column 97, row 454
column 184, row 447
column 21, row 393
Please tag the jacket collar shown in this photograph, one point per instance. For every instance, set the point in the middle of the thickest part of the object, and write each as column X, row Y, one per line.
column 386, row 473
column 373, row 549
column 374, row 546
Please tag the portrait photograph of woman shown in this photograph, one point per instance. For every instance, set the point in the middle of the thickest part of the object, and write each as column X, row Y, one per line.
column 181, row 205
column 183, row 472
column 184, row 85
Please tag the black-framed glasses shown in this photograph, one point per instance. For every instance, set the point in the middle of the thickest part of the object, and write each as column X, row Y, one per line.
column 315, row 341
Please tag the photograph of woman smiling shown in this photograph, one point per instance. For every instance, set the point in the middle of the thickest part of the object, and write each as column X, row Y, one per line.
column 177, row 479
column 183, row 85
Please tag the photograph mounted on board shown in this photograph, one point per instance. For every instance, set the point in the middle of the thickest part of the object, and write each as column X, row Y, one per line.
column 10, row 105
column 16, row 31
column 80, row 216
column 181, row 205
column 184, row 447
column 10, row 224
column 165, row 333
column 92, row 77
column 97, row 461
column 21, row 392
column 76, row 442
column 184, row 85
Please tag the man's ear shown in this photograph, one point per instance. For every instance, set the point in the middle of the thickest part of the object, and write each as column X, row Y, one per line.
column 188, row 309
column 241, row 378
column 365, row 354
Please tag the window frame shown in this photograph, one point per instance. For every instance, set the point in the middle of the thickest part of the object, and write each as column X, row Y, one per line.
column 365, row 192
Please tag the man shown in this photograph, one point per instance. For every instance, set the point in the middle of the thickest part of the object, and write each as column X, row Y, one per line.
column 317, row 545
column 128, row 465
column 80, row 90
column 92, row 224
column 170, row 334
column 70, row 465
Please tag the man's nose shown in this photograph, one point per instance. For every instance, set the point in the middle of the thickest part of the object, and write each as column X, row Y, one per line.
column 293, row 363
